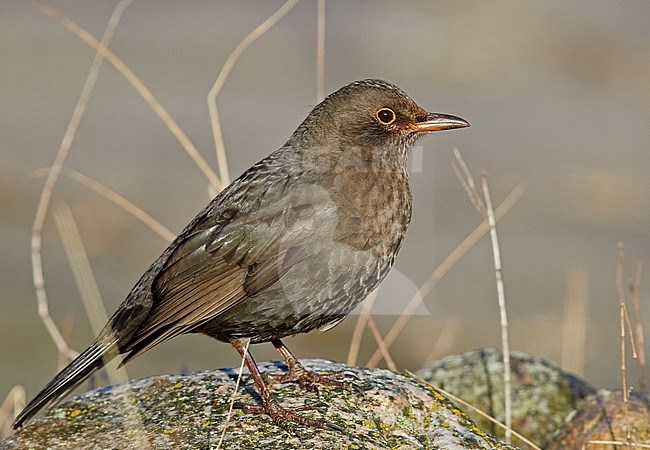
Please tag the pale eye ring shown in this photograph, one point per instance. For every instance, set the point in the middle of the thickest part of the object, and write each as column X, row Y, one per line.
column 385, row 116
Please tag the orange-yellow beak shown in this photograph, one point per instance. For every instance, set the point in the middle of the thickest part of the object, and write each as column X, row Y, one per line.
column 438, row 122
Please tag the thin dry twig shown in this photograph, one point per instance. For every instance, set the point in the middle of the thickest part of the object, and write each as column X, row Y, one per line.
column 91, row 298
column 116, row 198
column 234, row 394
column 80, row 265
column 140, row 88
column 624, row 444
column 479, row 411
column 320, row 53
column 505, row 342
column 443, row 268
column 467, row 181
column 66, row 331
column 640, row 337
column 623, row 374
column 221, row 80
column 574, row 324
column 50, row 183
column 357, row 335
column 12, row 404
column 85, row 279
column 446, row 339
column 620, row 263
column 380, row 343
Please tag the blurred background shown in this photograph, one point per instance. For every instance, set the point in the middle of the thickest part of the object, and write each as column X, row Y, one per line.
column 556, row 92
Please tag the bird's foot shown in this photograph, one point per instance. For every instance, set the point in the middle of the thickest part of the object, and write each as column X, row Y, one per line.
column 309, row 380
column 282, row 416
column 286, row 417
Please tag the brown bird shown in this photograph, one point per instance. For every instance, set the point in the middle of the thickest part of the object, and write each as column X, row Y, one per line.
column 293, row 244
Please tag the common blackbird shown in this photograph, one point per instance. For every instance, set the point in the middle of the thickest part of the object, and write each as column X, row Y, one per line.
column 293, row 244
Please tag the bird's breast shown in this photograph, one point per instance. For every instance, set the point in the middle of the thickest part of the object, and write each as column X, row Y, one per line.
column 374, row 211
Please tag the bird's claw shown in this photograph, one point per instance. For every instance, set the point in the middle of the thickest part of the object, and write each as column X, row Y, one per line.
column 285, row 418
column 309, row 380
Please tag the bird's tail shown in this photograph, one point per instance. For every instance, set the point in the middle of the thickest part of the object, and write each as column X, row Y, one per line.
column 93, row 358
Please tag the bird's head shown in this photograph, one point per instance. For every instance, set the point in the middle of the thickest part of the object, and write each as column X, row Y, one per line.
column 371, row 113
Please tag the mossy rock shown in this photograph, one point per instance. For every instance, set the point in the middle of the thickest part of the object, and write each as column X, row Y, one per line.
column 605, row 417
column 391, row 411
column 542, row 393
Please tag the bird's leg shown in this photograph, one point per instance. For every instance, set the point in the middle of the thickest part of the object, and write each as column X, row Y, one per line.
column 298, row 374
column 280, row 415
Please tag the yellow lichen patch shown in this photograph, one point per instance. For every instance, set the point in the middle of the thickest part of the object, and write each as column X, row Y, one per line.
column 178, row 385
column 77, row 412
column 478, row 431
column 439, row 396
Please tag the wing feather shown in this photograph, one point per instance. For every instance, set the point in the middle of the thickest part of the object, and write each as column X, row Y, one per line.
column 229, row 253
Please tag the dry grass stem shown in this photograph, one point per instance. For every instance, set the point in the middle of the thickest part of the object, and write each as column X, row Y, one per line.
column 80, row 265
column 480, row 412
column 221, row 80
column 140, row 87
column 85, row 279
column 620, row 267
column 234, row 394
column 13, row 403
column 638, row 325
column 320, row 53
column 94, row 306
column 120, row 201
column 467, row 181
column 372, row 325
column 357, row 335
column 442, row 269
column 53, row 176
column 505, row 342
column 445, row 341
column 623, row 373
column 624, row 444
column 574, row 325
column 66, row 331
column 484, row 208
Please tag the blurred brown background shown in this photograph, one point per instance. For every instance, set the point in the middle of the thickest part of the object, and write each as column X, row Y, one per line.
column 556, row 92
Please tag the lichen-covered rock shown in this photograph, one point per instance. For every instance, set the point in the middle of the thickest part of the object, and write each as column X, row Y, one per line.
column 602, row 417
column 542, row 393
column 394, row 411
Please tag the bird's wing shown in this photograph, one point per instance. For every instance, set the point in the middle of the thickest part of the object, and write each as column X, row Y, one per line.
column 214, row 268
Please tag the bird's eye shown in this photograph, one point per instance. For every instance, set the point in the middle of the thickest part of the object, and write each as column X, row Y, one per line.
column 385, row 116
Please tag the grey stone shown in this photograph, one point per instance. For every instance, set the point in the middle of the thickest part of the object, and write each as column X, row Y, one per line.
column 391, row 411
column 542, row 393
